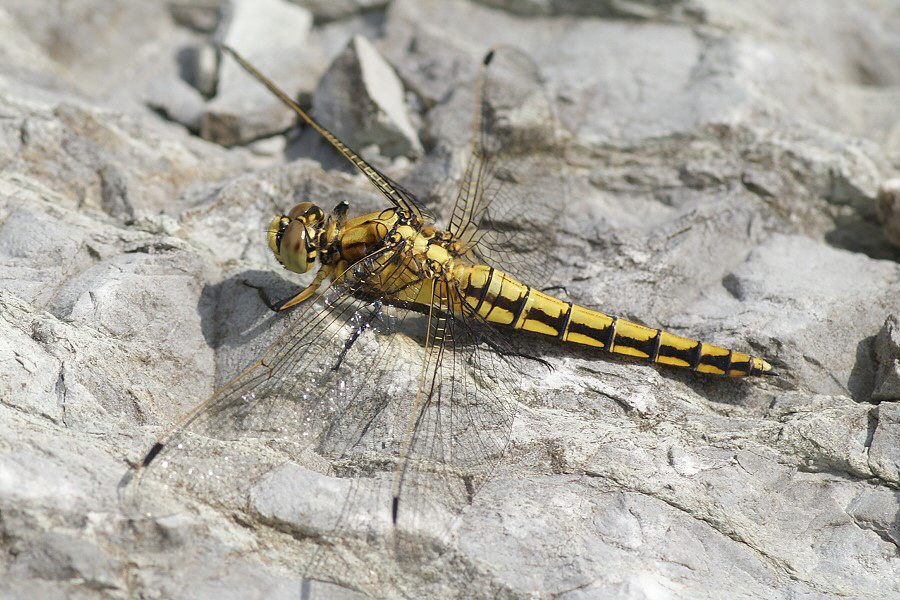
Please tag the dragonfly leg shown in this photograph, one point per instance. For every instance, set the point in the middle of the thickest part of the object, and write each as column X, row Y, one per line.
column 358, row 331
column 509, row 352
column 264, row 296
column 294, row 300
column 498, row 348
column 305, row 293
column 556, row 288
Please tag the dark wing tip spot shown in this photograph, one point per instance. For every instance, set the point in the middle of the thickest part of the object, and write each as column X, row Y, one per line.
column 488, row 57
column 154, row 451
column 395, row 504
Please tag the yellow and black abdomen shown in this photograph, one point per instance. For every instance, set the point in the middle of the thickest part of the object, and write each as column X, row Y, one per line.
column 502, row 300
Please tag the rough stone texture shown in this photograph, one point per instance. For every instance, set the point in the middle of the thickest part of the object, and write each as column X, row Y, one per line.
column 888, row 206
column 329, row 10
column 722, row 166
column 887, row 359
column 242, row 112
column 360, row 99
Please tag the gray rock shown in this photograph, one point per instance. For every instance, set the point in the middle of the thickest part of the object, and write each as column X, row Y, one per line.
column 331, row 10
column 178, row 101
column 888, row 207
column 361, row 100
column 887, row 357
column 200, row 15
column 200, row 68
column 813, row 299
column 884, row 456
column 266, row 33
column 627, row 9
column 722, row 166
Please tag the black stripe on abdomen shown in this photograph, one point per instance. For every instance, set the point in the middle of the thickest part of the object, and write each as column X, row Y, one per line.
column 603, row 336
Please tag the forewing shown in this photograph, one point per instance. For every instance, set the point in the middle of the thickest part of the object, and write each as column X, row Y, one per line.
column 513, row 189
column 319, row 387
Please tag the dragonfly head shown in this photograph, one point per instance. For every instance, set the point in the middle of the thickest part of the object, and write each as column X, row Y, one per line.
column 294, row 238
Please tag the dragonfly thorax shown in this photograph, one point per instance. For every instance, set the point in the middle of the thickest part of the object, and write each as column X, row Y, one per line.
column 296, row 238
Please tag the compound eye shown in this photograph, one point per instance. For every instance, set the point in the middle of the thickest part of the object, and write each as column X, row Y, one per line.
column 299, row 210
column 293, row 237
column 289, row 243
column 294, row 251
column 277, row 227
column 308, row 212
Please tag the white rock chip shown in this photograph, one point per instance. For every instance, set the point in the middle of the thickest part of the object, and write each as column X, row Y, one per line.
column 361, row 100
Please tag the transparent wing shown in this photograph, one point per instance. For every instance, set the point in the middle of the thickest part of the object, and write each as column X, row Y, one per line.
column 378, row 387
column 513, row 188
column 460, row 421
column 307, row 392
column 371, row 386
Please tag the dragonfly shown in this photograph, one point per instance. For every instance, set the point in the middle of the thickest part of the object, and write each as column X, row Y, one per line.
column 421, row 314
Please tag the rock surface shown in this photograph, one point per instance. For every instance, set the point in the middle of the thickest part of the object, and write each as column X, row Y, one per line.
column 722, row 164
column 360, row 99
